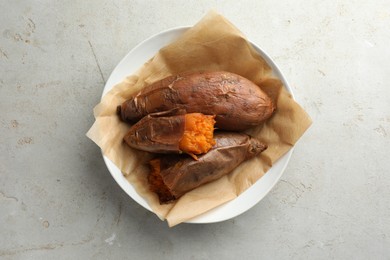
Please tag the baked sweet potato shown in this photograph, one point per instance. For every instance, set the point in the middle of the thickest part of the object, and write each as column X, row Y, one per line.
column 172, row 176
column 237, row 102
column 173, row 132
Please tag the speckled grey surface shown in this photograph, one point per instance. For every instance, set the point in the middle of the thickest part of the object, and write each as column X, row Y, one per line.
column 57, row 199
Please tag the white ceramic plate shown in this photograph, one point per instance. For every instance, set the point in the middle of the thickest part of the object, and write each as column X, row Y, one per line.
column 135, row 59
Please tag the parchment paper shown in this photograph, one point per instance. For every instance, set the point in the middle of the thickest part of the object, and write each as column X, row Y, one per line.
column 212, row 44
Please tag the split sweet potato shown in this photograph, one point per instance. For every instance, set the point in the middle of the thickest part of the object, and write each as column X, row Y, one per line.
column 237, row 102
column 172, row 176
column 173, row 132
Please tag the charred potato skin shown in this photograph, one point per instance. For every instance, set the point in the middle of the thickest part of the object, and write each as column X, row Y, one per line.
column 237, row 102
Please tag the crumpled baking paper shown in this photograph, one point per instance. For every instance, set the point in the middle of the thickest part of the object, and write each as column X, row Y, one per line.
column 211, row 44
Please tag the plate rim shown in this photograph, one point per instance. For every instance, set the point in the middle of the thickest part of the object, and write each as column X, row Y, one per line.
column 204, row 218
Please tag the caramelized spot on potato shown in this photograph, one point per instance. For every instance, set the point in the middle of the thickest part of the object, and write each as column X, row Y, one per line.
column 198, row 133
column 157, row 184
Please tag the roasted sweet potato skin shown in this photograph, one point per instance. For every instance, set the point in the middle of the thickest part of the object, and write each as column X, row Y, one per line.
column 173, row 131
column 237, row 102
column 172, row 176
column 158, row 132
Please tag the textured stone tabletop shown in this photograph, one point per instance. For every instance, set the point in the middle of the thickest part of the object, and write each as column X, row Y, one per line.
column 58, row 200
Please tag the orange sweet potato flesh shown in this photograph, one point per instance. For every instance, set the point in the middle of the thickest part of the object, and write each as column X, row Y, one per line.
column 237, row 103
column 156, row 182
column 198, row 133
column 173, row 132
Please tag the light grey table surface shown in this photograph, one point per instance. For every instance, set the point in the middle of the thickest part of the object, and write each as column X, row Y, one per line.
column 58, row 200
